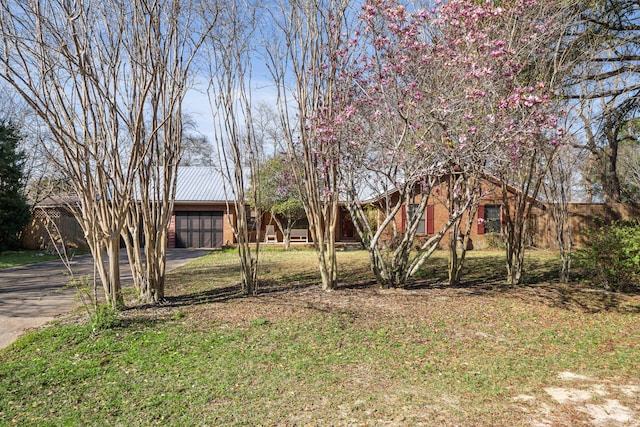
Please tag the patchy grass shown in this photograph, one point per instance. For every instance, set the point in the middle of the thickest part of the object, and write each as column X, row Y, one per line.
column 10, row 259
column 479, row 354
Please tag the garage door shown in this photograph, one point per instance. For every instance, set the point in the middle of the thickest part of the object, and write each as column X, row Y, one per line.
column 199, row 229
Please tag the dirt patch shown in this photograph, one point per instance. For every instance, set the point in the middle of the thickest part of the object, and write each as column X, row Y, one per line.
column 584, row 401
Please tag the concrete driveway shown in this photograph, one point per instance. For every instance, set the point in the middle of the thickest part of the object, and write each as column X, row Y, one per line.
column 35, row 294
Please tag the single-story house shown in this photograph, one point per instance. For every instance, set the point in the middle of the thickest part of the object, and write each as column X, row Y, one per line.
column 488, row 219
column 203, row 216
column 200, row 219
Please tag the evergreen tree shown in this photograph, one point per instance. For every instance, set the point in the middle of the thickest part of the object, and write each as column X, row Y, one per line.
column 14, row 210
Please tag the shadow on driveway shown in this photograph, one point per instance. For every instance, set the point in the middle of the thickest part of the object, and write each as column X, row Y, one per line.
column 35, row 294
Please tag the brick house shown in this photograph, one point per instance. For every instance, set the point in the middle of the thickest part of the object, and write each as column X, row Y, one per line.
column 487, row 221
column 203, row 216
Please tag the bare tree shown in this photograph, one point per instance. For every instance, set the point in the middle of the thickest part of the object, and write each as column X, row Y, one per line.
column 42, row 172
column 196, row 148
column 630, row 165
column 557, row 190
column 268, row 131
column 602, row 87
column 238, row 148
column 521, row 185
column 107, row 78
column 166, row 47
column 302, row 57
column 603, row 124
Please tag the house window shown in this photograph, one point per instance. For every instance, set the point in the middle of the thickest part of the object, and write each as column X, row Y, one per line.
column 251, row 218
column 426, row 222
column 489, row 219
column 413, row 209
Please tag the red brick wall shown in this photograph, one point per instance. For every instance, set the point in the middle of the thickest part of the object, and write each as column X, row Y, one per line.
column 437, row 214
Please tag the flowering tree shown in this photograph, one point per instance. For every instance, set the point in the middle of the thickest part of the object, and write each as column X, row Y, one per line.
column 506, row 51
column 400, row 144
column 449, row 93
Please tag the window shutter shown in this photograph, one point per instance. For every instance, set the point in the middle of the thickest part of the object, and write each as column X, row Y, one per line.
column 481, row 219
column 430, row 219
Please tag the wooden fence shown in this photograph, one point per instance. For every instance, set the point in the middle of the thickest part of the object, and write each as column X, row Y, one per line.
column 50, row 227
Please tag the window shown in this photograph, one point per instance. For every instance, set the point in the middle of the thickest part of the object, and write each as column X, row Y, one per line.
column 426, row 222
column 489, row 220
column 251, row 218
column 413, row 209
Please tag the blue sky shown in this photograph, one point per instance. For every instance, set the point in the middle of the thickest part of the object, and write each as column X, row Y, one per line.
column 197, row 101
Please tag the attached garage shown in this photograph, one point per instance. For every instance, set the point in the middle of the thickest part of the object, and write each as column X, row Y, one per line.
column 199, row 229
column 202, row 216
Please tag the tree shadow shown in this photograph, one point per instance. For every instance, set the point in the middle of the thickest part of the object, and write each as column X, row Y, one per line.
column 233, row 292
column 483, row 276
column 571, row 296
column 579, row 297
column 221, row 294
column 136, row 321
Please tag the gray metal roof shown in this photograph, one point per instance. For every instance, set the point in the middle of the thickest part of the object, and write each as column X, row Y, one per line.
column 200, row 184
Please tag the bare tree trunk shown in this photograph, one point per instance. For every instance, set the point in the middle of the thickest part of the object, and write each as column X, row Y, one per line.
column 514, row 247
column 113, row 289
column 130, row 236
column 517, row 206
column 236, row 140
column 393, row 263
column 104, row 77
column 308, row 34
column 460, row 237
column 286, row 231
column 556, row 189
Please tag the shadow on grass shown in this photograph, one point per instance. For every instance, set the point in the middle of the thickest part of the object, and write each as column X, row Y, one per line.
column 484, row 275
column 205, row 297
column 133, row 322
column 572, row 296
column 589, row 299
column 227, row 293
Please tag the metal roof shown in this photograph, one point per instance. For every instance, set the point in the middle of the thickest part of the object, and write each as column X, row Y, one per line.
column 200, row 184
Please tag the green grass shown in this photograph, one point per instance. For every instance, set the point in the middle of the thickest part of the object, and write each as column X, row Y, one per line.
column 10, row 259
column 298, row 356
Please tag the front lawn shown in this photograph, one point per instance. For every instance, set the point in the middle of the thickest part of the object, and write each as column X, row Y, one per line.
column 479, row 354
column 10, row 259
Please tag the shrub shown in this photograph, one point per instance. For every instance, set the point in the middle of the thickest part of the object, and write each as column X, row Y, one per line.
column 611, row 256
column 494, row 241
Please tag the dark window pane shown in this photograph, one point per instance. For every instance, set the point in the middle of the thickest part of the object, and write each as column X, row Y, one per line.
column 492, row 219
